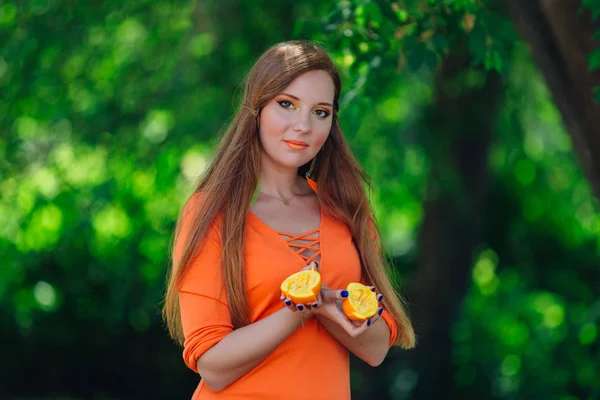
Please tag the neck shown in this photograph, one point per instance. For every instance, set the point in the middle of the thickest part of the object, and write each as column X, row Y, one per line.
column 279, row 182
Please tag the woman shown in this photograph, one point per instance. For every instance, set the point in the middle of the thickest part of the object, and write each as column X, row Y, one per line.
column 254, row 220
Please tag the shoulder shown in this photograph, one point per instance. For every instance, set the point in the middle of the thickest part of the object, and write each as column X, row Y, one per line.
column 197, row 247
column 194, row 206
column 191, row 218
column 194, row 203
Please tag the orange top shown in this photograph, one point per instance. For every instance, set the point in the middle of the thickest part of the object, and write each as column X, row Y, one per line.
column 269, row 259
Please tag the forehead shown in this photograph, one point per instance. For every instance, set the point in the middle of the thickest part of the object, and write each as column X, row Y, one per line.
column 313, row 86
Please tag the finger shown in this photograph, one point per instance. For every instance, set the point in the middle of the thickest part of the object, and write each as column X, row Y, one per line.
column 376, row 317
column 289, row 304
column 303, row 309
column 341, row 294
column 313, row 265
column 355, row 331
column 349, row 326
column 370, row 321
column 379, row 298
column 366, row 324
column 373, row 288
column 317, row 303
column 332, row 295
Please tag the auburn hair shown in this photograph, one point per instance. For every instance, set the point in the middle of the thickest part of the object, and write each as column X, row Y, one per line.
column 228, row 186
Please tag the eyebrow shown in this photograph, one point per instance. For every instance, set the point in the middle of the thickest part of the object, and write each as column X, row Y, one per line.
column 298, row 99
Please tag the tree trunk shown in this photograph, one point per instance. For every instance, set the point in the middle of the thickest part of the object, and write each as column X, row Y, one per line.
column 460, row 130
column 560, row 37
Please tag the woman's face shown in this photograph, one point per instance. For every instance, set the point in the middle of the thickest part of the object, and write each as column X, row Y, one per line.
column 295, row 124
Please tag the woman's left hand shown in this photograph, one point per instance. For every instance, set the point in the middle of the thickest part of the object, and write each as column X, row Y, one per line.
column 332, row 308
column 329, row 305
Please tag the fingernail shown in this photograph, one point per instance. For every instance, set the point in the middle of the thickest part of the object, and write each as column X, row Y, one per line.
column 372, row 288
column 380, row 297
column 380, row 311
column 300, row 307
column 315, row 305
column 369, row 322
column 288, row 303
column 316, row 264
column 344, row 293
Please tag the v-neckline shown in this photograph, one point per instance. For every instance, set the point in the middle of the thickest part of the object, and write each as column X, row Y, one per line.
column 286, row 244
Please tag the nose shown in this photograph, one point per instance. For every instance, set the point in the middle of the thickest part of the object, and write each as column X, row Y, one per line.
column 302, row 123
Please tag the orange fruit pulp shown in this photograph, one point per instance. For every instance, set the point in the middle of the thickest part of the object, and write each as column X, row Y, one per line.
column 361, row 303
column 302, row 287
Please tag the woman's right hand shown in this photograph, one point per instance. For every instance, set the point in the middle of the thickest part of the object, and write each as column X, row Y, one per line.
column 308, row 310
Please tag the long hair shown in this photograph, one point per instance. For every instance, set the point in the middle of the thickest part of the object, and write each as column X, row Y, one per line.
column 229, row 183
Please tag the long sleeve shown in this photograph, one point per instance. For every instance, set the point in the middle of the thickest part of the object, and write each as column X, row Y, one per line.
column 203, row 305
column 391, row 323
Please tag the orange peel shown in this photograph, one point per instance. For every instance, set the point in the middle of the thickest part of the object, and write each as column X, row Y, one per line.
column 361, row 303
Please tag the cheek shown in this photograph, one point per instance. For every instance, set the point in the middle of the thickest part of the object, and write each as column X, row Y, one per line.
column 321, row 132
column 270, row 134
column 274, row 123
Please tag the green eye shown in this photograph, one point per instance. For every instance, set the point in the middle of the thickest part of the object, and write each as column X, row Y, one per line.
column 286, row 104
column 322, row 113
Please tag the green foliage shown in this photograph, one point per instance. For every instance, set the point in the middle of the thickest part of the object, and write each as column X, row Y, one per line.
column 526, row 306
column 418, row 34
column 529, row 327
column 593, row 6
column 110, row 110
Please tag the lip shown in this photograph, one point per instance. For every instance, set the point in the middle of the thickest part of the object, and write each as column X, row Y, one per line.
column 296, row 144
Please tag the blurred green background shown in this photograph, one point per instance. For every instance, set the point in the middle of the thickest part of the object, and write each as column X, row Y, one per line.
column 475, row 119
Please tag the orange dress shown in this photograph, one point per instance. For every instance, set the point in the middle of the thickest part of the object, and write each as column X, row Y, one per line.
column 269, row 259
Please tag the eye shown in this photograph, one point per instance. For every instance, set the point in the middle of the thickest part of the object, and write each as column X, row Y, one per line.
column 322, row 114
column 286, row 104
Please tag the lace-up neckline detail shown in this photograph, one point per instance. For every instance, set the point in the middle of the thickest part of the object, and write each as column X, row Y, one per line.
column 306, row 246
column 301, row 244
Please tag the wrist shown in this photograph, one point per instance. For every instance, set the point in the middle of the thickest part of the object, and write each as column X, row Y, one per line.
column 323, row 318
column 295, row 318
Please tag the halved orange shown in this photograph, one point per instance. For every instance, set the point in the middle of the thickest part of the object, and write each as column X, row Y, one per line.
column 361, row 303
column 302, row 287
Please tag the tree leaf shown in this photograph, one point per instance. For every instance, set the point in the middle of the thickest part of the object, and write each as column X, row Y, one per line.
column 416, row 54
column 468, row 21
column 594, row 60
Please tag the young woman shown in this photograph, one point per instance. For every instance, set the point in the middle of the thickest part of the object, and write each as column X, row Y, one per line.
column 255, row 219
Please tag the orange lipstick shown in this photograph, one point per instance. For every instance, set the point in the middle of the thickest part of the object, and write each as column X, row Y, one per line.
column 296, row 144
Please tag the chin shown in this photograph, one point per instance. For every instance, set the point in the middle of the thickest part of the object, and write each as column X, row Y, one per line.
column 289, row 165
column 288, row 161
